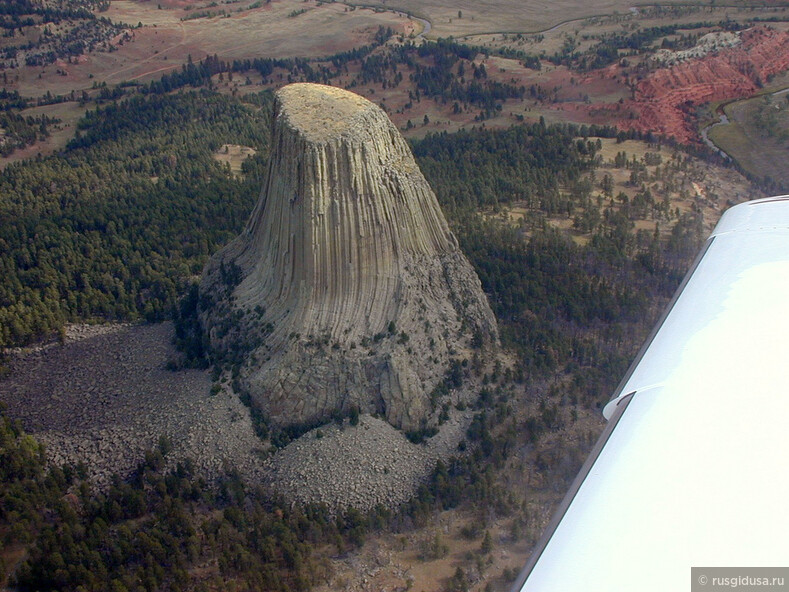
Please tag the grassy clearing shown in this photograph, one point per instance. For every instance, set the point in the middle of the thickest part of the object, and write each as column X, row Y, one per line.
column 759, row 148
column 693, row 187
column 466, row 17
column 60, row 133
column 165, row 41
column 234, row 155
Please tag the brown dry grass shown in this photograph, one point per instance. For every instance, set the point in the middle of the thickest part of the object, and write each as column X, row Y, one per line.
column 11, row 555
column 165, row 42
column 234, row 155
column 704, row 188
column 497, row 16
column 60, row 133
column 268, row 31
column 758, row 152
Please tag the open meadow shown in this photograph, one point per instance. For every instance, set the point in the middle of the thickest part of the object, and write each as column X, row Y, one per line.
column 465, row 17
column 582, row 70
column 169, row 37
column 757, row 135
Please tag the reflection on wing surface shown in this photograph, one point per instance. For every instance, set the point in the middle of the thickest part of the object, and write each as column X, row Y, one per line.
column 692, row 468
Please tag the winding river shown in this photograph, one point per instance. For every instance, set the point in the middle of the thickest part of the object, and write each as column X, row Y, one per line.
column 425, row 24
column 724, row 120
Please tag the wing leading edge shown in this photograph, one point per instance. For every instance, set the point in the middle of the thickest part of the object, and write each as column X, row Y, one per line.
column 692, row 468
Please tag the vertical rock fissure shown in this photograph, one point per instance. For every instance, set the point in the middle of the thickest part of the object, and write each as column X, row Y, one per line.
column 349, row 256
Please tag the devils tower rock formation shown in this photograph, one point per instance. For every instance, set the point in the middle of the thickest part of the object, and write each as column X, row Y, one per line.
column 346, row 287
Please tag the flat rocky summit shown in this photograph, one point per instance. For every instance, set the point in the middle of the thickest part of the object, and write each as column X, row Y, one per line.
column 322, row 112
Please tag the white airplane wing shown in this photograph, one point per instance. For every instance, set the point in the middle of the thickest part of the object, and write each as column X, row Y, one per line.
column 693, row 467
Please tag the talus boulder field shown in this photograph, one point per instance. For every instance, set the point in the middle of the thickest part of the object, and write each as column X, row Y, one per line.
column 346, row 288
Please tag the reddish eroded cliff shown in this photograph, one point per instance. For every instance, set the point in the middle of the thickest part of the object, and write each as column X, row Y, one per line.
column 731, row 73
column 664, row 100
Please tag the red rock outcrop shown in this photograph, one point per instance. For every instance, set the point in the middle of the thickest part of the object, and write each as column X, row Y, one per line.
column 732, row 73
column 662, row 100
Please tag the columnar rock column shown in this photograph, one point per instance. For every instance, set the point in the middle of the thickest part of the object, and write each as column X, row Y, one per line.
column 346, row 286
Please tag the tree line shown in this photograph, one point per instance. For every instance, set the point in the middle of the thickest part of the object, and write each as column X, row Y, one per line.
column 116, row 225
column 563, row 306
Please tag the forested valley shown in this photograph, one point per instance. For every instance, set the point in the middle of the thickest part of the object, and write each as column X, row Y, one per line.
column 118, row 227
column 70, row 29
column 115, row 227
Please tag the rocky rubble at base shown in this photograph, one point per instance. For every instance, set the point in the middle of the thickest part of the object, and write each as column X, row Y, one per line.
column 388, row 469
column 105, row 397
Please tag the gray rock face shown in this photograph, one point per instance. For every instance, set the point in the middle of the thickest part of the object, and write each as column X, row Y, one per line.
column 346, row 286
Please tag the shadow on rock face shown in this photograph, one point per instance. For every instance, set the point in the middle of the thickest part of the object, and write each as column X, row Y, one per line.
column 346, row 288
